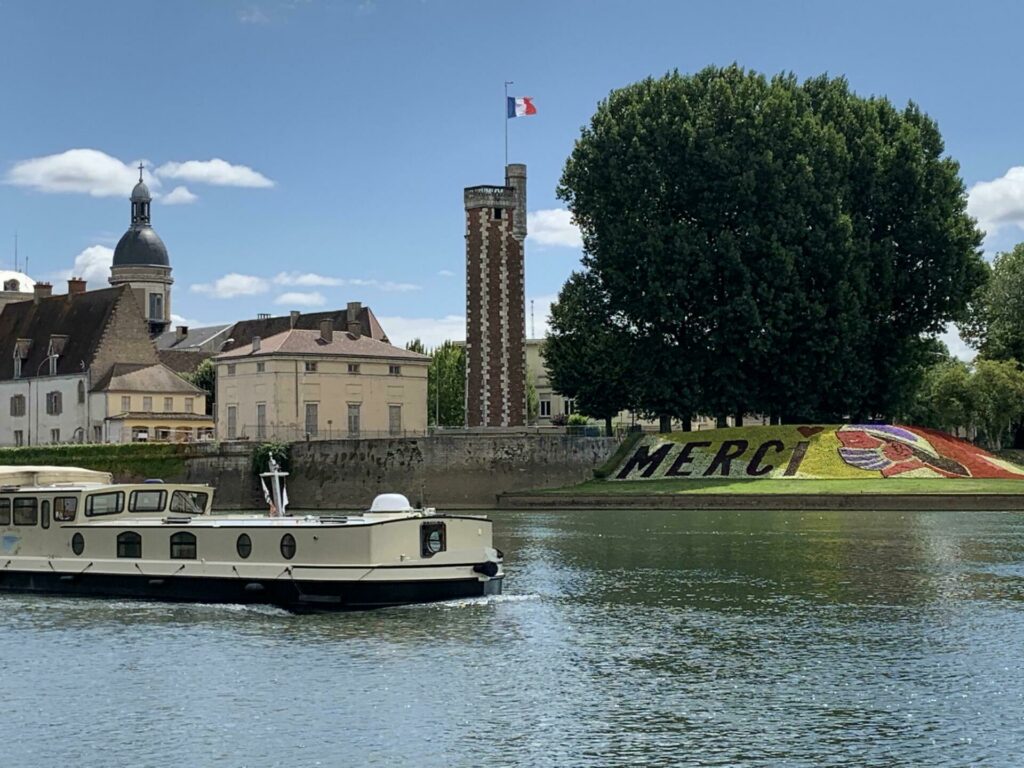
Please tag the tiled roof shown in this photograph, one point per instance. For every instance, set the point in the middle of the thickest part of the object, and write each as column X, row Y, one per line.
column 304, row 342
column 81, row 317
column 182, row 360
column 195, row 337
column 157, row 379
column 265, row 327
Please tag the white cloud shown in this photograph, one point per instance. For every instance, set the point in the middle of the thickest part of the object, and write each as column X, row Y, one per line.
column 998, row 202
column 431, row 331
column 189, row 322
column 553, row 227
column 384, row 285
column 179, row 196
column 446, row 273
column 216, row 171
column 92, row 265
column 253, row 15
column 306, row 279
column 957, row 346
column 82, row 171
column 231, row 285
column 302, row 299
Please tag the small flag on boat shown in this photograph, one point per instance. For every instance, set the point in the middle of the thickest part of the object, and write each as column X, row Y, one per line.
column 521, row 107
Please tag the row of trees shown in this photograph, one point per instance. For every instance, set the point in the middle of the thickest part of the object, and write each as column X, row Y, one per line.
column 758, row 245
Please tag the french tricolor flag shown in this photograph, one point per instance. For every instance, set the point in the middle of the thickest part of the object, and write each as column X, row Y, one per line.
column 521, row 107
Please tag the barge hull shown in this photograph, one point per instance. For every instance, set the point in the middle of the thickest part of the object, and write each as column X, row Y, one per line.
column 294, row 595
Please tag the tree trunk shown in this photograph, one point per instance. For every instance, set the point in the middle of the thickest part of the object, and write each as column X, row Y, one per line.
column 738, row 418
column 775, row 420
column 608, row 426
column 664, row 423
column 688, row 423
column 721, row 421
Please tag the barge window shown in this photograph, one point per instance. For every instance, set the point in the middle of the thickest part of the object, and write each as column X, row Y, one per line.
column 45, row 513
column 64, row 508
column 5, row 511
column 287, row 546
column 129, row 544
column 147, row 501
column 183, row 546
column 78, row 544
column 244, row 546
column 432, row 539
column 26, row 512
column 104, row 504
column 189, row 502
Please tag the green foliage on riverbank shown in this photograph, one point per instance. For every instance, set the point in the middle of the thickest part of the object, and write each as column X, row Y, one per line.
column 129, row 460
column 913, row 486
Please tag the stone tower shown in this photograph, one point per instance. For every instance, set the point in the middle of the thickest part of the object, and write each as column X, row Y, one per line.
column 495, row 302
column 140, row 259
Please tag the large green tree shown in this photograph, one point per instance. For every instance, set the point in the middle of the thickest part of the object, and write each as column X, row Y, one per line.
column 588, row 352
column 995, row 323
column 771, row 245
column 997, row 389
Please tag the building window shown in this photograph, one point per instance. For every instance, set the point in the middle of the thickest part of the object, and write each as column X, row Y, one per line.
column 496, row 214
column 5, row 511
column 232, row 422
column 25, row 512
column 261, row 420
column 129, row 544
column 54, row 436
column 168, row 404
column 17, row 366
column 104, row 504
column 19, row 437
column 261, row 367
column 147, row 404
column 394, row 419
column 156, row 306
column 54, row 403
column 287, row 546
column 312, row 418
column 126, row 403
column 81, row 392
column 78, row 544
column 545, row 407
column 310, row 367
column 18, row 405
column 353, row 419
column 570, row 406
column 53, row 365
column 189, row 404
column 97, row 434
column 353, row 367
column 64, row 508
column 231, row 369
column 183, row 546
column 394, row 370
column 243, row 545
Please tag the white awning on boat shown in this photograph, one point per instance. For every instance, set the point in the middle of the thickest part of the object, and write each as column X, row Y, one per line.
column 37, row 475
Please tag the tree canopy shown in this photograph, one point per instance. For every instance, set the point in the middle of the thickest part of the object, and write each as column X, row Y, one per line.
column 768, row 245
column 995, row 323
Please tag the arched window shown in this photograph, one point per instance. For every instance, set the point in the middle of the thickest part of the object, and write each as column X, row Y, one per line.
column 81, row 392
column 129, row 544
column 183, row 546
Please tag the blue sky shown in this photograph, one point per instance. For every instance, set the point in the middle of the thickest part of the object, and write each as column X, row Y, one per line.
column 348, row 129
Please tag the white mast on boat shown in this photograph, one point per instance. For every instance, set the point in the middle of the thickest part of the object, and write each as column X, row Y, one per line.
column 279, row 496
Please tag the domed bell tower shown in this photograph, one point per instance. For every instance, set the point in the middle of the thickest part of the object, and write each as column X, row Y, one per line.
column 140, row 260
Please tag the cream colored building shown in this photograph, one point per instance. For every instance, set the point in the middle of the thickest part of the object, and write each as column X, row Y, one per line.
column 320, row 384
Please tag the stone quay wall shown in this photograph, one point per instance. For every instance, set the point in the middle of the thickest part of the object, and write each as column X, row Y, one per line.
column 463, row 471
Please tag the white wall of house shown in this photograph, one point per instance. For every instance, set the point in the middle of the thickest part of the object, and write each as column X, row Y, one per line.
column 36, row 426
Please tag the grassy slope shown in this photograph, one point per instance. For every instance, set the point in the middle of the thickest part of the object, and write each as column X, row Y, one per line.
column 888, row 486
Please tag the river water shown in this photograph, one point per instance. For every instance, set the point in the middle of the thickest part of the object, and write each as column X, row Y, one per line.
column 624, row 638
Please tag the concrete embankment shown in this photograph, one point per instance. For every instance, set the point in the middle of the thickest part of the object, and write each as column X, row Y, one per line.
column 881, row 502
column 448, row 471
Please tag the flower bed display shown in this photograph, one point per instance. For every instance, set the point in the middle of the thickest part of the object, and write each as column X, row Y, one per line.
column 811, row 452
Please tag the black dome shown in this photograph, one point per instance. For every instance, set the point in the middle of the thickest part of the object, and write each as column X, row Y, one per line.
column 140, row 245
column 141, row 192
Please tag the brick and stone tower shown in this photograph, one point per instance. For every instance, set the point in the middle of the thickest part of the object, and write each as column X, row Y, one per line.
column 495, row 302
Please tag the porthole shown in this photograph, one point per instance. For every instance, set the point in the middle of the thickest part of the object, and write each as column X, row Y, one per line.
column 287, row 546
column 244, row 546
column 78, row 544
column 432, row 539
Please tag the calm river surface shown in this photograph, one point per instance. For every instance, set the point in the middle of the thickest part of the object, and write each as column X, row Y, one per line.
column 624, row 638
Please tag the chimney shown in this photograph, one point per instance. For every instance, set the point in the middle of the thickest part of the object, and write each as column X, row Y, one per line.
column 43, row 291
column 180, row 332
column 255, row 343
column 352, row 324
column 293, row 318
column 327, row 330
column 75, row 285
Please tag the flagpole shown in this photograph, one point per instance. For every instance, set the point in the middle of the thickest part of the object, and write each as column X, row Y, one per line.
column 505, row 108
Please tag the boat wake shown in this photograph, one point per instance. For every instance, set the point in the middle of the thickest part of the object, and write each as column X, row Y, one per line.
column 470, row 602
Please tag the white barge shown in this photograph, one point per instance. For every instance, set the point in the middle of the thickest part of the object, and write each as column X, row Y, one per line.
column 75, row 532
